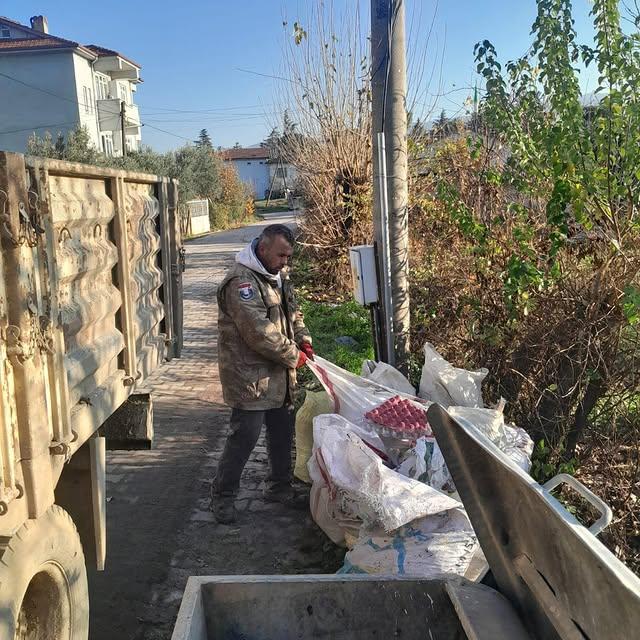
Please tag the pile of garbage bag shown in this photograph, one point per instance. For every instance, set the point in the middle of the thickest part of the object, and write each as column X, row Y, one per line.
column 385, row 493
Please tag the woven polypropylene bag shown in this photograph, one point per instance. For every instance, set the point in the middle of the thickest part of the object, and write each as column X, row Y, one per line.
column 365, row 487
column 315, row 403
column 447, row 385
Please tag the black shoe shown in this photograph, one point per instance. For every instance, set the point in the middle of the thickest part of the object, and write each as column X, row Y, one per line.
column 224, row 511
column 287, row 496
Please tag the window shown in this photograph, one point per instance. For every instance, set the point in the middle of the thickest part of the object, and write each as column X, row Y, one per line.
column 4, row 32
column 102, row 86
column 107, row 144
column 248, row 163
column 125, row 94
column 87, row 97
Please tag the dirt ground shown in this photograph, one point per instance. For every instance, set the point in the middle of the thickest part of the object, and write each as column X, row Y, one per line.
column 160, row 531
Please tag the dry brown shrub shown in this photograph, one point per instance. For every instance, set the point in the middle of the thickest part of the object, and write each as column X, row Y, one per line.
column 563, row 354
column 326, row 92
column 569, row 367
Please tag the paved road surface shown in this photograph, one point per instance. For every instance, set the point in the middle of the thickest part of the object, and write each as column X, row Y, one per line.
column 159, row 528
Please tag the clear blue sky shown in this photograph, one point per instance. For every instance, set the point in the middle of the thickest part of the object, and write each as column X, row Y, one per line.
column 191, row 52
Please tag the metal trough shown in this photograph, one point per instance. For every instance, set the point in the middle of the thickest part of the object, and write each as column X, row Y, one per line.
column 341, row 607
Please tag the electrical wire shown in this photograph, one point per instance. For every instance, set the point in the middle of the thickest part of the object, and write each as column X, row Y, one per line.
column 44, row 126
column 146, row 124
column 212, row 119
column 50, row 93
column 267, row 75
column 213, row 110
column 86, row 106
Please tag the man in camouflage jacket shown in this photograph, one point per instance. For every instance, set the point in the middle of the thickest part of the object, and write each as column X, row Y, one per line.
column 262, row 340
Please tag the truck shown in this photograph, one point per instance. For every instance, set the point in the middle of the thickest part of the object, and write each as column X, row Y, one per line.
column 90, row 305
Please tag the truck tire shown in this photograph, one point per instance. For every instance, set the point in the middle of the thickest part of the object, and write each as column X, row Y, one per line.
column 43, row 581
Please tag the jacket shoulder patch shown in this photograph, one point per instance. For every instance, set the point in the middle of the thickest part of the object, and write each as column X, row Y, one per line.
column 245, row 289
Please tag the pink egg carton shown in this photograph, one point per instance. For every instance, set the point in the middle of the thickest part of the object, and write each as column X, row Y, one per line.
column 401, row 417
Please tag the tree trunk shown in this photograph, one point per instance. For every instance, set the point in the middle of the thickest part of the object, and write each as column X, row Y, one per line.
column 594, row 391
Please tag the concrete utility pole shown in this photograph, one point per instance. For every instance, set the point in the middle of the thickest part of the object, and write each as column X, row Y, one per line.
column 123, row 117
column 389, row 110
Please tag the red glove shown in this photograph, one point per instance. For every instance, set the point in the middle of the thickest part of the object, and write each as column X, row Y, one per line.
column 308, row 350
column 302, row 360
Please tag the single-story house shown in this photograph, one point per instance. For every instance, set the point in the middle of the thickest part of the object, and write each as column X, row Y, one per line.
column 257, row 169
column 252, row 167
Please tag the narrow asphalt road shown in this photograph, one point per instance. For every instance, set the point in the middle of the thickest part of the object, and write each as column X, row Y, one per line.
column 159, row 529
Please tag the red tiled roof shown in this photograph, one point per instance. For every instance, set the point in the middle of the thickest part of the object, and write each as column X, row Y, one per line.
column 41, row 40
column 37, row 40
column 104, row 52
column 20, row 44
column 250, row 153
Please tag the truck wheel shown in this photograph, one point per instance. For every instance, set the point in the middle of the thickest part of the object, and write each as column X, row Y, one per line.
column 43, row 581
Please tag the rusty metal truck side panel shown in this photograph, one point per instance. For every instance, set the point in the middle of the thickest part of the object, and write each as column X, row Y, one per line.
column 89, row 281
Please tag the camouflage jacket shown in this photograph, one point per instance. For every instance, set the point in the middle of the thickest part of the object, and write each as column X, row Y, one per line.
column 259, row 331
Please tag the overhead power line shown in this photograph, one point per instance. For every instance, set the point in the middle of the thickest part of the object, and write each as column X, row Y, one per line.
column 169, row 110
column 43, row 126
column 51, row 93
column 267, row 75
column 212, row 120
column 145, row 123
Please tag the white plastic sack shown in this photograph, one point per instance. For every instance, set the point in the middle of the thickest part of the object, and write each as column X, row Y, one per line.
column 364, row 487
column 439, row 476
column 388, row 376
column 417, row 461
column 443, row 543
column 447, row 385
column 490, row 422
column 354, row 396
column 327, row 514
column 518, row 446
column 512, row 441
column 329, row 508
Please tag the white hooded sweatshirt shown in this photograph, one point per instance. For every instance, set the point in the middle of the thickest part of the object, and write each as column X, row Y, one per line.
column 247, row 257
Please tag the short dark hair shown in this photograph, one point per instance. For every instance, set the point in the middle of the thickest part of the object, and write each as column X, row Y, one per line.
column 273, row 230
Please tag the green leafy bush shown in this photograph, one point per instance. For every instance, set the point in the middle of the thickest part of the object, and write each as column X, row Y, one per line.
column 201, row 172
column 328, row 322
column 526, row 251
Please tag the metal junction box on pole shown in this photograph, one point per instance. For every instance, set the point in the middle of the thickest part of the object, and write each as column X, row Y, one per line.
column 363, row 272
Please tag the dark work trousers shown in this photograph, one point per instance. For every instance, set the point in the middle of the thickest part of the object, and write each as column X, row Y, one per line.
column 245, row 431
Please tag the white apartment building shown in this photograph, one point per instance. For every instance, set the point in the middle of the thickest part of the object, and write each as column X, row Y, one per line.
column 52, row 84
